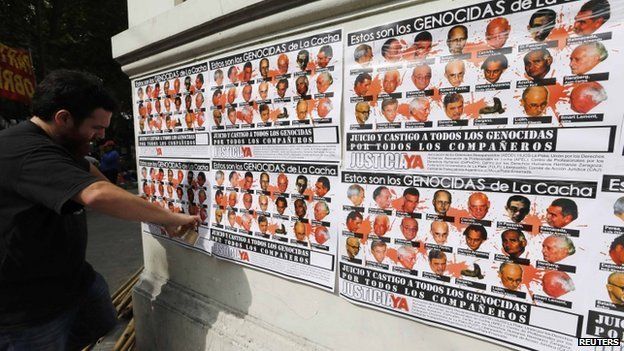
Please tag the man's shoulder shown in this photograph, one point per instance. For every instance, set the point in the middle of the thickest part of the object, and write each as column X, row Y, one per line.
column 23, row 134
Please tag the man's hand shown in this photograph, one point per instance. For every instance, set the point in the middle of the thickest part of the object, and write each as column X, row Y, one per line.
column 182, row 224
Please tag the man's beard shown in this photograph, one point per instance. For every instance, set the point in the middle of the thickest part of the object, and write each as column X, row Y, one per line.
column 76, row 145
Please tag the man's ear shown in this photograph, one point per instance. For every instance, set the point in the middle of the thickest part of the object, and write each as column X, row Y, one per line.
column 63, row 118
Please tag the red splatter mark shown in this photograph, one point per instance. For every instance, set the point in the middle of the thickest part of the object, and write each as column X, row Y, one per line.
column 557, row 93
column 311, row 67
column 272, row 74
column 273, row 114
column 393, row 255
column 531, row 274
column 561, row 34
column 458, row 213
column 437, row 97
column 309, row 193
column 365, row 229
column 472, row 109
column 273, row 190
column 397, row 204
column 473, row 48
column 404, row 110
column 271, row 228
column 455, row 268
column 374, row 89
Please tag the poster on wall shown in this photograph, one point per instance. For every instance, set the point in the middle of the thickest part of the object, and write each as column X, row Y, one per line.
column 279, row 217
column 181, row 187
column 497, row 87
column 282, row 98
column 170, row 113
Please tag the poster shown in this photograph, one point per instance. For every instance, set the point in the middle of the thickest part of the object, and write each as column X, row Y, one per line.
column 170, row 113
column 181, row 187
column 497, row 87
column 279, row 99
column 280, row 217
column 17, row 76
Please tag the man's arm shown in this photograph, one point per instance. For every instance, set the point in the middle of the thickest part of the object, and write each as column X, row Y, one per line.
column 109, row 199
column 96, row 172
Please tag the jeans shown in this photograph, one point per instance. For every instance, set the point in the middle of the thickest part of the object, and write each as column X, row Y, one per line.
column 74, row 329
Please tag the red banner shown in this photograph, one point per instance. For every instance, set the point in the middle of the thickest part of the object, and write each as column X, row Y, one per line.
column 17, row 79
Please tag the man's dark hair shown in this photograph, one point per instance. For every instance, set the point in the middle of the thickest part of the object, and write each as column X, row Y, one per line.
column 201, row 175
column 80, row 93
column 442, row 192
column 360, row 51
column 262, row 219
column 231, row 175
column 361, row 78
column 435, row 253
column 496, row 58
column 248, row 174
column 521, row 236
column 423, row 36
column 476, row 228
column 386, row 46
column 325, row 181
column 460, row 26
column 545, row 54
column 411, row 191
column 263, row 107
column 378, row 191
column 327, row 50
column 200, row 77
column 353, row 215
column 247, row 65
column 387, row 102
column 283, row 81
column 598, row 8
column 526, row 202
column 281, row 199
column 452, row 98
column 230, row 70
column 617, row 241
column 568, row 207
column 548, row 13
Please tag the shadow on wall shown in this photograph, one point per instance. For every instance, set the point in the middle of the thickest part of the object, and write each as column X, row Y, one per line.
column 185, row 298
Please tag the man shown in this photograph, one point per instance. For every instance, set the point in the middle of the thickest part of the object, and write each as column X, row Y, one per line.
column 535, row 100
column 382, row 197
column 321, row 210
column 231, row 95
column 453, row 106
column 362, row 83
column 219, row 198
column 541, row 24
column 354, row 221
column 493, row 67
column 381, row 225
column 302, row 110
column 233, row 178
column 561, row 212
column 302, row 84
column 353, row 247
column 263, row 224
column 109, row 163
column 475, row 236
column 592, row 15
column 324, row 107
column 281, row 204
column 218, row 215
column 517, row 207
column 497, row 32
column 557, row 283
column 247, row 181
column 478, row 205
column 322, row 186
column 264, row 68
column 411, row 197
column 264, row 181
column 537, row 63
column 514, row 242
column 355, row 193
column 389, row 109
column 616, row 250
column 233, row 74
column 391, row 80
column 422, row 45
column 421, row 76
column 586, row 56
column 362, row 112
column 391, row 50
column 510, row 275
column 300, row 231
column 263, row 202
column 378, row 250
column 263, row 90
column 585, row 96
column 442, row 200
column 216, row 97
column 323, row 82
column 321, row 235
column 615, row 288
column 264, row 113
column 456, row 39
column 282, row 64
column 245, row 222
column 618, row 208
column 454, row 72
column 363, row 54
column 247, row 71
column 247, row 92
column 282, row 86
column 303, row 57
column 407, row 256
column 324, row 56
column 50, row 294
column 557, row 247
column 232, row 199
column 247, row 201
column 218, row 77
column 282, row 182
column 439, row 231
column 232, row 218
column 409, row 228
column 301, row 183
column 419, row 109
column 437, row 261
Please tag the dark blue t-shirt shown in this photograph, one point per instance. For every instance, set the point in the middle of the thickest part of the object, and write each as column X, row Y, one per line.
column 43, row 233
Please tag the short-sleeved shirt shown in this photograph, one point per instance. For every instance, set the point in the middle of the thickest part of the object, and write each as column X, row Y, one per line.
column 43, row 233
